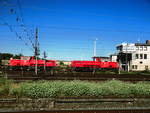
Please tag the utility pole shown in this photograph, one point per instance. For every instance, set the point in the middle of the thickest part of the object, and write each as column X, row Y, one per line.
column 126, row 60
column 44, row 60
column 36, row 51
column 94, row 53
column 119, row 66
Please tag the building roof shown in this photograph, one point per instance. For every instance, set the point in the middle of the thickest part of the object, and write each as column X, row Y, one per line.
column 115, row 54
column 100, row 57
column 141, row 44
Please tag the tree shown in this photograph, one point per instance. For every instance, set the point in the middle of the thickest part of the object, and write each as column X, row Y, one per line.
column 5, row 56
column 17, row 56
column 61, row 63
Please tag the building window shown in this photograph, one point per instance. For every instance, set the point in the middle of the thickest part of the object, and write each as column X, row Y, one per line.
column 137, row 56
column 145, row 56
column 134, row 66
column 141, row 48
column 145, row 48
column 141, row 56
column 137, row 48
column 146, row 67
column 141, row 62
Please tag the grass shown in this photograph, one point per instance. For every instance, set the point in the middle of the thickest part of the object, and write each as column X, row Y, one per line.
column 45, row 89
column 106, row 72
column 54, row 89
column 5, row 86
column 145, row 72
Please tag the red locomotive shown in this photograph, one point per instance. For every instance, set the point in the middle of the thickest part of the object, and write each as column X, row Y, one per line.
column 97, row 64
column 30, row 62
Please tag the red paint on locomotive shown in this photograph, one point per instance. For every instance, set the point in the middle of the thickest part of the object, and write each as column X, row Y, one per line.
column 95, row 64
column 30, row 61
column 90, row 64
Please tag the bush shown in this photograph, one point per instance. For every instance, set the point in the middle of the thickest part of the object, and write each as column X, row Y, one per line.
column 40, row 89
column 2, row 91
column 5, row 86
column 45, row 89
column 75, row 88
column 15, row 90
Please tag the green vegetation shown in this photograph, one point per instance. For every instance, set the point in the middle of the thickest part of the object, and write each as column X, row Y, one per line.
column 7, row 56
column 5, row 86
column 145, row 72
column 61, row 63
column 106, row 72
column 45, row 89
column 53, row 89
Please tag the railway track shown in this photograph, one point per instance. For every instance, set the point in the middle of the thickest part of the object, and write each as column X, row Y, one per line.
column 19, row 76
column 74, row 74
column 82, row 106
column 131, row 110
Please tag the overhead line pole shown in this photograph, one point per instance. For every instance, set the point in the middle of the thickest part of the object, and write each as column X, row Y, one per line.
column 94, row 54
column 44, row 61
column 94, row 49
column 36, row 50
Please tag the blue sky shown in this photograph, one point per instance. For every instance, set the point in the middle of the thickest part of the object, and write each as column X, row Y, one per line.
column 67, row 28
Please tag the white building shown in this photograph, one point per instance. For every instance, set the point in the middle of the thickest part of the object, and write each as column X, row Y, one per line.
column 113, row 57
column 135, row 57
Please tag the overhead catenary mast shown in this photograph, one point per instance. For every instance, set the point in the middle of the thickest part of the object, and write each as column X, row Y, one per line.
column 94, row 54
column 44, row 54
column 94, row 49
column 36, row 50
